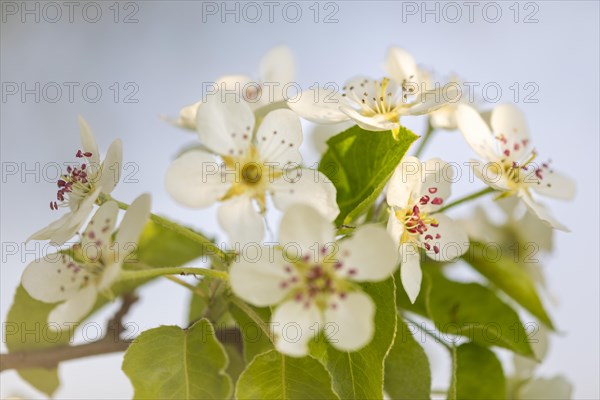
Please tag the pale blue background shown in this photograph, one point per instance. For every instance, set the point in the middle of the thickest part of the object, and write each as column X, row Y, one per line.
column 170, row 52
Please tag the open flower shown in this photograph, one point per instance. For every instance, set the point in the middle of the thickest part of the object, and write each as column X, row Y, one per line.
column 375, row 105
column 252, row 165
column 310, row 279
column 416, row 192
column 96, row 263
column 509, row 158
column 79, row 188
column 276, row 69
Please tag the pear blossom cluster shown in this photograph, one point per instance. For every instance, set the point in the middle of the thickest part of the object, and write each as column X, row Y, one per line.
column 249, row 164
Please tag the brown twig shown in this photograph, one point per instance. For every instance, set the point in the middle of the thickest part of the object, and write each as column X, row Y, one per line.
column 51, row 357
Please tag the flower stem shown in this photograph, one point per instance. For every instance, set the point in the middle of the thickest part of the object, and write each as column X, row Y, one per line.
column 211, row 248
column 465, row 199
column 155, row 272
column 425, row 139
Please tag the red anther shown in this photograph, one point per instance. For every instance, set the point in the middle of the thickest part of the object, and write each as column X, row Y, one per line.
column 432, row 190
column 352, row 271
column 507, row 152
column 436, row 249
column 61, row 183
column 288, row 269
column 337, row 265
column 69, row 169
column 435, row 225
column 416, row 209
column 51, row 206
column 437, row 201
column 342, row 295
column 437, row 236
column 79, row 154
column 427, row 246
column 87, row 154
column 424, row 200
column 525, row 141
column 428, row 237
column 60, row 196
column 516, row 146
column 283, row 285
column 83, row 166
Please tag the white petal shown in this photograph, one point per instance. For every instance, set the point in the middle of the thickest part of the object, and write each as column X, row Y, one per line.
column 75, row 308
column 279, row 138
column 187, row 116
column 132, row 225
column 491, row 174
column 449, row 238
column 321, row 106
column 444, row 118
column 109, row 275
column 305, row 227
column 508, row 122
column 305, row 186
column 556, row 388
column 111, row 167
column 96, row 238
column 431, row 100
column 242, row 87
column 394, row 228
column 401, row 66
column 376, row 123
column 261, row 278
column 295, row 324
column 405, row 180
column 242, row 223
column 55, row 277
column 88, row 141
column 322, row 133
column 435, row 187
column 369, row 255
column 476, row 132
column 225, row 124
column 277, row 66
column 352, row 318
column 554, row 184
column 195, row 180
column 410, row 270
column 541, row 212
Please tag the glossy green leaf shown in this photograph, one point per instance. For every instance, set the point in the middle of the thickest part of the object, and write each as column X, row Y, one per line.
column 407, row 372
column 256, row 340
column 359, row 163
column 274, row 376
column 359, row 374
column 509, row 276
column 173, row 363
column 477, row 374
column 471, row 310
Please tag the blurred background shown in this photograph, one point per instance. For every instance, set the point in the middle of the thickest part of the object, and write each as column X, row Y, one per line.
column 129, row 63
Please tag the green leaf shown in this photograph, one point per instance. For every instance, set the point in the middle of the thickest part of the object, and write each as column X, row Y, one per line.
column 359, row 163
column 256, row 340
column 471, row 310
column 213, row 304
column 510, row 277
column 407, row 372
column 359, row 374
column 477, row 374
column 173, row 363
column 274, row 376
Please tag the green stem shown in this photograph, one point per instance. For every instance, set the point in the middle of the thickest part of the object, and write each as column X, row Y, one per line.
column 425, row 139
column 253, row 315
column 156, row 272
column 465, row 199
column 210, row 248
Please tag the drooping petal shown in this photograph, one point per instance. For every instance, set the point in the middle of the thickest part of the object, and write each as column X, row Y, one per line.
column 132, row 225
column 369, row 255
column 509, row 125
column 261, row 278
column 242, row 223
column 279, row 138
column 306, row 228
column 352, row 318
column 187, row 116
column 55, row 277
column 555, row 184
column 277, row 66
column 111, row 167
column 435, row 188
column 305, row 186
column 88, row 141
column 445, row 242
column 74, row 309
column 295, row 323
column 541, row 212
column 96, row 238
column 225, row 124
column 376, row 123
column 410, row 270
column 401, row 66
column 321, row 106
column 405, row 181
column 476, row 132
column 195, row 180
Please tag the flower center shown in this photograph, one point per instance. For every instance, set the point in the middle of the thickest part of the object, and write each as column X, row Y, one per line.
column 75, row 184
column 417, row 223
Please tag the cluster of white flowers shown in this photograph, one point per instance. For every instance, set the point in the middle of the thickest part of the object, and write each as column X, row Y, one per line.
column 249, row 158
